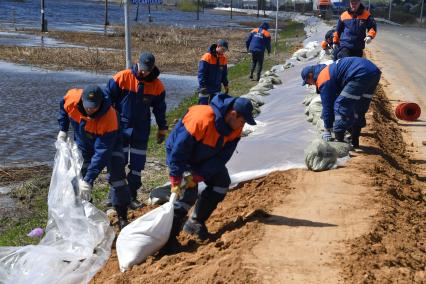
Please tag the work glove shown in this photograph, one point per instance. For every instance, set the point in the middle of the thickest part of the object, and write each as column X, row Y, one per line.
column 62, row 136
column 326, row 136
column 161, row 136
column 193, row 179
column 368, row 39
column 176, row 185
column 85, row 190
column 226, row 89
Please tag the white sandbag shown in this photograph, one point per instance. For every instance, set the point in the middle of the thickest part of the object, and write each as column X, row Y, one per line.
column 145, row 236
column 260, row 88
column 257, row 99
column 320, row 125
column 276, row 81
column 269, row 74
column 308, row 98
column 260, row 93
column 266, row 81
column 342, row 148
column 278, row 68
column 266, row 84
column 320, row 156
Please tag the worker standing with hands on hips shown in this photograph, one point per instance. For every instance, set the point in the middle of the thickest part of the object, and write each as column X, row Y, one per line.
column 201, row 143
column 133, row 93
column 96, row 132
column 346, row 88
column 350, row 36
column 213, row 72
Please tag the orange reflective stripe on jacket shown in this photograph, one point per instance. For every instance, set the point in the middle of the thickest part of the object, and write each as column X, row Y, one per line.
column 127, row 81
column 200, row 123
column 323, row 76
column 98, row 125
column 210, row 59
column 264, row 32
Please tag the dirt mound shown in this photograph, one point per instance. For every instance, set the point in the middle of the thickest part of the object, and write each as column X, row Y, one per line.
column 236, row 225
column 394, row 251
column 387, row 245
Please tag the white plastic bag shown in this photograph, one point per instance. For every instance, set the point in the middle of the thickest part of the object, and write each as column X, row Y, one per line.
column 78, row 237
column 145, row 235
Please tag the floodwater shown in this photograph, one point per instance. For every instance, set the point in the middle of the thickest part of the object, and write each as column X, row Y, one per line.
column 89, row 15
column 29, row 102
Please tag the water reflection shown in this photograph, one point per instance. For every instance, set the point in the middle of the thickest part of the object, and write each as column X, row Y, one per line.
column 29, row 101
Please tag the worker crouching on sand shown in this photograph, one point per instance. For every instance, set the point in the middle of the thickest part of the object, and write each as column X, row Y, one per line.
column 346, row 88
column 202, row 143
column 96, row 132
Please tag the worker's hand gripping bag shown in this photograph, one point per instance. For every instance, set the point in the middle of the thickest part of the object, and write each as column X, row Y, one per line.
column 144, row 236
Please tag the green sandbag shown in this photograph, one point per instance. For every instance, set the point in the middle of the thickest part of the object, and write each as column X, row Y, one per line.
column 320, row 156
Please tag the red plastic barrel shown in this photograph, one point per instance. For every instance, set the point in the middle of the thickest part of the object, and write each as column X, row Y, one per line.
column 408, row 111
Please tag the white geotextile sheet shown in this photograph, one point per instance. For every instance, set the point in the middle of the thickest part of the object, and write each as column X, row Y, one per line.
column 282, row 132
column 77, row 240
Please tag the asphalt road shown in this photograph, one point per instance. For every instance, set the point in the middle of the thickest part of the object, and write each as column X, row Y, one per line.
column 400, row 52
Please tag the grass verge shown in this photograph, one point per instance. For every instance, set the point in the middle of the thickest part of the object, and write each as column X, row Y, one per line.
column 34, row 193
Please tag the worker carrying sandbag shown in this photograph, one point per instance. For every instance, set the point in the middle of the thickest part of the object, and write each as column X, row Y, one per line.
column 96, row 132
column 346, row 88
column 202, row 142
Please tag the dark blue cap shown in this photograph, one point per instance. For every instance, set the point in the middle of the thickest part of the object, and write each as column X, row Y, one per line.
column 146, row 61
column 305, row 73
column 264, row 26
column 223, row 43
column 244, row 107
column 92, row 96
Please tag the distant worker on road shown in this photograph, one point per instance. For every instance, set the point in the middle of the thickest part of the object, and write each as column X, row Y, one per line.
column 213, row 72
column 346, row 88
column 257, row 41
column 201, row 143
column 133, row 93
column 96, row 132
column 350, row 36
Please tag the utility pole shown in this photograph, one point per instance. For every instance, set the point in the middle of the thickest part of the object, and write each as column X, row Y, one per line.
column 264, row 7
column 137, row 13
column 43, row 21
column 231, row 9
column 276, row 29
column 390, row 9
column 106, row 23
column 421, row 12
column 198, row 9
column 149, row 13
column 127, row 34
column 258, row 4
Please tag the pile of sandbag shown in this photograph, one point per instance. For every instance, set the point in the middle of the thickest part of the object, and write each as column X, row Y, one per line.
column 256, row 93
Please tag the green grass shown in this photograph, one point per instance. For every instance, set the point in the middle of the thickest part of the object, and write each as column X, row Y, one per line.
column 34, row 192
column 31, row 197
column 188, row 6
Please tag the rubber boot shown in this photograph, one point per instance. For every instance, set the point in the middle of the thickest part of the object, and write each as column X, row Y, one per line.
column 339, row 136
column 172, row 245
column 202, row 211
column 122, row 217
column 356, row 131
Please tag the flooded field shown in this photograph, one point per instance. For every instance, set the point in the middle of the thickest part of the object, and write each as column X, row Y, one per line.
column 84, row 15
column 29, row 101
